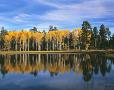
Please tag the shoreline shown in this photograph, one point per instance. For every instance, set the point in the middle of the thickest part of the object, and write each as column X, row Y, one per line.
column 56, row 52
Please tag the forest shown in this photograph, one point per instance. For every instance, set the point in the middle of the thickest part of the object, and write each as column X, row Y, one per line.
column 84, row 38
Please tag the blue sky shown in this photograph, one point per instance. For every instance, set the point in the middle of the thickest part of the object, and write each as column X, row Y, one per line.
column 65, row 14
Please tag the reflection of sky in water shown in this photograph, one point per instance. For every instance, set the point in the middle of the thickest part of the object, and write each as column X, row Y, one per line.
column 43, row 81
column 68, row 81
column 112, row 67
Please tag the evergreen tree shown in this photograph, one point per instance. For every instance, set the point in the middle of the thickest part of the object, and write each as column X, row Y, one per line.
column 95, row 34
column 112, row 42
column 108, row 36
column 50, row 28
column 2, row 34
column 34, row 29
column 85, row 37
column 103, row 37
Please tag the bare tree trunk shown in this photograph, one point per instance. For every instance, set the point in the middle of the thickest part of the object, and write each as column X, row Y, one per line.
column 20, row 45
column 28, row 45
column 47, row 45
column 60, row 46
column 57, row 45
column 33, row 44
column 68, row 44
column 53, row 45
column 23, row 45
column 16, row 45
column 39, row 48
column 36, row 46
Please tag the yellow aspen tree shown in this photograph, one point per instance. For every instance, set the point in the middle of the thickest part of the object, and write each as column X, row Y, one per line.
column 16, row 39
column 7, row 40
column 29, row 35
column 23, row 39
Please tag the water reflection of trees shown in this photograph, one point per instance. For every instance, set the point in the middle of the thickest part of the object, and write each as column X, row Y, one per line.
column 86, row 64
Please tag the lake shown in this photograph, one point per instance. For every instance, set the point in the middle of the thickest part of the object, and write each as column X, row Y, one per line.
column 56, row 72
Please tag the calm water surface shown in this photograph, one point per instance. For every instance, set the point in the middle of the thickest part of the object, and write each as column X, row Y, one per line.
column 56, row 72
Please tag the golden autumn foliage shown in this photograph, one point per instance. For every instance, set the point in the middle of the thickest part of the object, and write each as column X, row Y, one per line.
column 27, row 40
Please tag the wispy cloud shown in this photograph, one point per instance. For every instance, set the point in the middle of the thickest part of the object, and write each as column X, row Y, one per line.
column 76, row 12
column 63, row 13
column 88, row 9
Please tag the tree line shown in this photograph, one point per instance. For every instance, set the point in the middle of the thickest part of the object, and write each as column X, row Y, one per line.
column 84, row 38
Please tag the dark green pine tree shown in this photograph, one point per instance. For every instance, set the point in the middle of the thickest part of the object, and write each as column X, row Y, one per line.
column 86, row 29
column 95, row 35
column 108, row 36
column 2, row 34
column 3, row 31
column 103, row 37
column 112, row 42
column 52, row 28
column 34, row 29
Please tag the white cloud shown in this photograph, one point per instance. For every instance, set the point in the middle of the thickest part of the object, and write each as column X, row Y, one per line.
column 77, row 12
column 63, row 14
column 50, row 3
column 21, row 18
column 74, row 13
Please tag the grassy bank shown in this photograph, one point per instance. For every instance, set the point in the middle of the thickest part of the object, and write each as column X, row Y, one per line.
column 54, row 52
